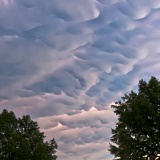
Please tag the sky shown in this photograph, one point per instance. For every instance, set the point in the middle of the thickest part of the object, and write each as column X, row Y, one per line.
column 64, row 62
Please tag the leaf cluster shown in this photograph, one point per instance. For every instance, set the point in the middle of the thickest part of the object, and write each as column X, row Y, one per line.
column 20, row 138
column 137, row 133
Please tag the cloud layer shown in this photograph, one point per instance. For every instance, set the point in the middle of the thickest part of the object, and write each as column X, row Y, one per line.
column 64, row 62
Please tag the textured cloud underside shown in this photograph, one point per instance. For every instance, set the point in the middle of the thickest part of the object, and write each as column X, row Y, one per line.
column 65, row 61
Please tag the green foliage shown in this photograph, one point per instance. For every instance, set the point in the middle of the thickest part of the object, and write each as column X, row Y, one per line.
column 137, row 132
column 20, row 139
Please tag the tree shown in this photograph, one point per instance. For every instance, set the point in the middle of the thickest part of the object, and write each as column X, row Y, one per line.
column 20, row 138
column 137, row 133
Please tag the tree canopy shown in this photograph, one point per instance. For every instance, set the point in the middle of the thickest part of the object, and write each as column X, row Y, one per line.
column 21, row 139
column 136, row 135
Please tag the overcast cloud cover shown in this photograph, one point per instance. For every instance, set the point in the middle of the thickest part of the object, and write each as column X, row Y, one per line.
column 65, row 61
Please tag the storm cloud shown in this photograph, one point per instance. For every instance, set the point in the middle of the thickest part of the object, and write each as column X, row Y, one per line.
column 65, row 62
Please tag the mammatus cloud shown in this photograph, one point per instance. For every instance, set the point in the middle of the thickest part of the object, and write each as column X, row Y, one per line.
column 82, row 131
column 64, row 62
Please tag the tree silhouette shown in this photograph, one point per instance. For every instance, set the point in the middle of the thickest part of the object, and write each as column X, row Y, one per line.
column 20, row 139
column 137, row 133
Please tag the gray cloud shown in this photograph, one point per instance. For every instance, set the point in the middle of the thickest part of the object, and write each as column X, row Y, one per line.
column 64, row 63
